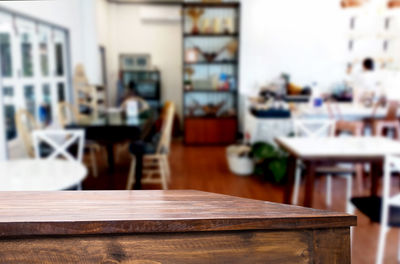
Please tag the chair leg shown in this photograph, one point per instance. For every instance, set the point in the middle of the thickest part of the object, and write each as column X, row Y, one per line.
column 382, row 235
column 398, row 249
column 163, row 174
column 329, row 190
column 295, row 197
column 359, row 178
column 94, row 163
column 167, row 168
column 349, row 187
column 131, row 175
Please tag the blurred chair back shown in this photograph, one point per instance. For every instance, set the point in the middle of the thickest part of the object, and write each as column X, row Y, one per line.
column 85, row 94
column 354, row 128
column 391, row 114
column 26, row 123
column 392, row 164
column 314, row 127
column 166, row 129
column 60, row 142
column 67, row 113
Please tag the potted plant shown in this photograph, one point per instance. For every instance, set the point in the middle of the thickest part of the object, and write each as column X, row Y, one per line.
column 270, row 162
column 240, row 159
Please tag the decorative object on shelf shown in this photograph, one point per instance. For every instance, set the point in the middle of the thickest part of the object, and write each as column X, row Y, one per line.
column 191, row 55
column 217, row 25
column 227, row 26
column 189, row 71
column 209, row 110
column 394, row 4
column 352, row 3
column 132, row 62
column 231, row 48
column 195, row 14
column 206, row 26
column 212, row 1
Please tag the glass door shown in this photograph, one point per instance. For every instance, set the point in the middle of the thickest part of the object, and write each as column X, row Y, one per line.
column 34, row 69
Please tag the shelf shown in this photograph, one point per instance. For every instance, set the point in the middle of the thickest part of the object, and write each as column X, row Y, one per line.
column 206, row 63
column 212, row 5
column 189, row 35
column 209, row 91
column 211, row 117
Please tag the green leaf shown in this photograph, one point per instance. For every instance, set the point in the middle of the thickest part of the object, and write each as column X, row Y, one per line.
column 278, row 168
column 264, row 151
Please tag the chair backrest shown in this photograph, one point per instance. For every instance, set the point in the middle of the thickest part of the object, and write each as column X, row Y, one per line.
column 391, row 114
column 166, row 128
column 354, row 128
column 85, row 94
column 59, row 142
column 314, row 127
column 67, row 113
column 26, row 123
column 392, row 164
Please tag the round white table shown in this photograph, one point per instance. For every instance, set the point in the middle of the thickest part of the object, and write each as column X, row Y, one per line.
column 40, row 175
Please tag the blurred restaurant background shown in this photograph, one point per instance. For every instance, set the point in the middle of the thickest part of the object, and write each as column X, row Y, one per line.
column 284, row 101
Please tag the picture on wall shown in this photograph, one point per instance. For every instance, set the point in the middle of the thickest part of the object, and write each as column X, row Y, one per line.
column 132, row 62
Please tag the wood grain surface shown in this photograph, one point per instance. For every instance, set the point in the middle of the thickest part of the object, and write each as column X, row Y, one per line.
column 84, row 213
column 299, row 246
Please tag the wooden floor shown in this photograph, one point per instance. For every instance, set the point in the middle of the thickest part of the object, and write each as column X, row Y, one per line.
column 205, row 169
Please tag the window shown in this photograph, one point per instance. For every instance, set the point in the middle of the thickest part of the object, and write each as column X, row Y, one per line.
column 5, row 54
column 27, row 58
column 29, row 94
column 61, row 92
column 11, row 130
column 59, row 59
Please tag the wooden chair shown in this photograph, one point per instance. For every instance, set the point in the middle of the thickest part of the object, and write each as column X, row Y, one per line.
column 328, row 128
column 26, row 123
column 390, row 122
column 392, row 164
column 157, row 164
column 67, row 114
column 59, row 141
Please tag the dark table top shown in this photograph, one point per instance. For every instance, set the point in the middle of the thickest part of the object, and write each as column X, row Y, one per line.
column 109, row 212
column 113, row 127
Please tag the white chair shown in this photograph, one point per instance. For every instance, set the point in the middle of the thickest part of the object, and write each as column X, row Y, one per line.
column 68, row 114
column 157, row 164
column 59, row 141
column 392, row 164
column 321, row 128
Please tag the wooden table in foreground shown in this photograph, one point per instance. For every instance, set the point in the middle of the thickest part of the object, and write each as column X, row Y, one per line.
column 166, row 227
column 318, row 151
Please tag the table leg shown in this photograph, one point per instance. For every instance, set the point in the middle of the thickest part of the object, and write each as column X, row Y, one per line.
column 291, row 171
column 376, row 170
column 310, row 177
column 138, row 149
column 111, row 165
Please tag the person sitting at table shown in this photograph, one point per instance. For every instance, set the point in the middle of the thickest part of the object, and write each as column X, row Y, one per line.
column 367, row 85
column 132, row 95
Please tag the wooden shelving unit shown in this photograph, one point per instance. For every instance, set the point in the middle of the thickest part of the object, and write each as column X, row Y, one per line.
column 219, row 77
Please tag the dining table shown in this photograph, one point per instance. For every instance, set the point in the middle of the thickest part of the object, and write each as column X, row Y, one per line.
column 314, row 152
column 115, row 127
column 40, row 175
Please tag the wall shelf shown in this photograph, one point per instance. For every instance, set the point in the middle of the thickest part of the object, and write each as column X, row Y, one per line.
column 211, row 114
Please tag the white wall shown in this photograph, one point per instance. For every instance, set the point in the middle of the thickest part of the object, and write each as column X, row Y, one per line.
column 305, row 39
column 127, row 33
column 76, row 15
